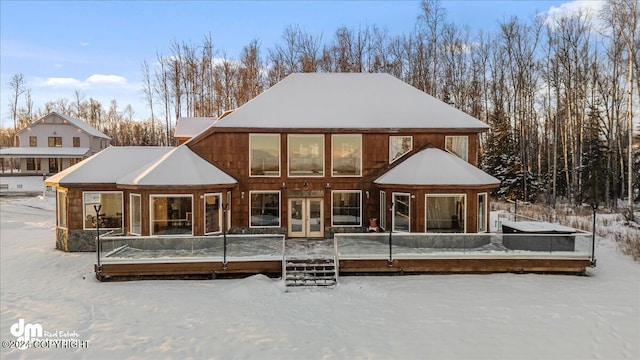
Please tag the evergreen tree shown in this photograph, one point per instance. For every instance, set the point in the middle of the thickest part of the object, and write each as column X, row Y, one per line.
column 593, row 167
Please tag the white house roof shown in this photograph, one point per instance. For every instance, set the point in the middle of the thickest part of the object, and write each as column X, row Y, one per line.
column 73, row 121
column 347, row 101
column 58, row 152
column 188, row 127
column 108, row 165
column 432, row 166
column 180, row 166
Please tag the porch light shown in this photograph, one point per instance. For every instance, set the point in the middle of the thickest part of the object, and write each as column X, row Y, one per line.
column 367, row 193
column 283, row 186
column 328, row 186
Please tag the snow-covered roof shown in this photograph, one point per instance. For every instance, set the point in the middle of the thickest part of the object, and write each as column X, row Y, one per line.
column 188, row 127
column 432, row 166
column 109, row 165
column 180, row 166
column 60, row 152
column 75, row 122
column 347, row 101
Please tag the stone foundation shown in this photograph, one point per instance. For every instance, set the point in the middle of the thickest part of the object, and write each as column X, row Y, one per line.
column 77, row 240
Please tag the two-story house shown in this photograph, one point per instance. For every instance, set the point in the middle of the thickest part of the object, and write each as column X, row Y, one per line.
column 313, row 155
column 54, row 143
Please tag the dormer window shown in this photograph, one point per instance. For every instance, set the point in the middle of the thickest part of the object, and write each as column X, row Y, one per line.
column 458, row 145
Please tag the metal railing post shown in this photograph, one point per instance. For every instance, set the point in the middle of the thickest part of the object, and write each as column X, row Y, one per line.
column 225, row 207
column 97, row 208
column 391, row 210
column 594, row 206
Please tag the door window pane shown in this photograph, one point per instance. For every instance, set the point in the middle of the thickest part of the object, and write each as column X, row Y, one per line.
column 171, row 215
column 346, row 155
column 346, row 208
column 212, row 213
column 264, row 150
column 401, row 212
column 306, row 155
column 445, row 213
column 265, row 209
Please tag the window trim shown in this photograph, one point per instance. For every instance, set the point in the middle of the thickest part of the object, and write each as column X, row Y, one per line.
column 486, row 212
column 383, row 210
column 131, row 196
column 391, row 159
column 279, row 154
column 360, row 207
column 251, row 192
column 84, row 209
column 466, row 158
column 289, row 155
column 58, row 215
column 204, row 213
column 151, row 197
column 426, row 229
column 333, row 136
column 393, row 213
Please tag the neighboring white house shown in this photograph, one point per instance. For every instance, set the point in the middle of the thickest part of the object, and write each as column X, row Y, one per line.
column 54, row 143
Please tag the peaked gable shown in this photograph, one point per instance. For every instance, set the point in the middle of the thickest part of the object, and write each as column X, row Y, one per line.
column 69, row 120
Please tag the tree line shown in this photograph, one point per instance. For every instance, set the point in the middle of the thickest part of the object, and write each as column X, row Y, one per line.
column 557, row 92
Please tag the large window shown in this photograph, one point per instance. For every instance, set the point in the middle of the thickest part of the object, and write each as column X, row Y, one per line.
column 55, row 141
column 445, row 213
column 33, row 164
column 212, row 213
column 346, row 208
column 62, row 209
column 306, row 155
column 265, row 208
column 458, row 145
column 33, row 141
column 76, row 141
column 111, row 209
column 264, row 153
column 135, row 216
column 171, row 215
column 399, row 146
column 482, row 212
column 401, row 212
column 346, row 155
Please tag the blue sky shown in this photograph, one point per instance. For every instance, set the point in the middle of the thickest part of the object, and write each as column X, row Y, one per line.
column 98, row 47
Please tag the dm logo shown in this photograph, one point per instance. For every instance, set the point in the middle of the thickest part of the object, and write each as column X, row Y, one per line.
column 25, row 332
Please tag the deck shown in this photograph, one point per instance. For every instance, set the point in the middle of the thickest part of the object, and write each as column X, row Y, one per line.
column 128, row 258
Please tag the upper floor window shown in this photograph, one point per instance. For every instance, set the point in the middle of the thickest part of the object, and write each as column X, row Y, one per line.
column 33, row 141
column 346, row 155
column 264, row 155
column 55, row 141
column 399, row 146
column 458, row 145
column 76, row 141
column 306, row 155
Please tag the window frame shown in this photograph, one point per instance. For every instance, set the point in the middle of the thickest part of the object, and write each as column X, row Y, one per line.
column 279, row 154
column 151, row 220
column 383, row 209
column 61, row 209
column 359, row 192
column 84, row 209
column 464, row 215
column 486, row 212
column 333, row 143
column 220, row 213
column 321, row 136
column 447, row 137
column 131, row 213
column 55, row 141
column 401, row 138
column 33, row 141
column 74, row 139
column 251, row 192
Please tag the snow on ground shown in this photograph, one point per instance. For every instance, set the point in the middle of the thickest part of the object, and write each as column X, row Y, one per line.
column 22, row 184
column 499, row 316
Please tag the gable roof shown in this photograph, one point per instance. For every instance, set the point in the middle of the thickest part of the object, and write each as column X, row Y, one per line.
column 188, row 127
column 180, row 166
column 109, row 165
column 347, row 101
column 73, row 121
column 432, row 166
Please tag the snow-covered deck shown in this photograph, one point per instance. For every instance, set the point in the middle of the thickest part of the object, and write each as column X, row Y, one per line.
column 355, row 253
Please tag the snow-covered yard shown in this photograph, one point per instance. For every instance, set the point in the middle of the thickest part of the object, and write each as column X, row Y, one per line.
column 500, row 316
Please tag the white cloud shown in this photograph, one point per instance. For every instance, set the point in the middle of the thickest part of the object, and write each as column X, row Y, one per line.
column 106, row 79
column 62, row 82
column 588, row 8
